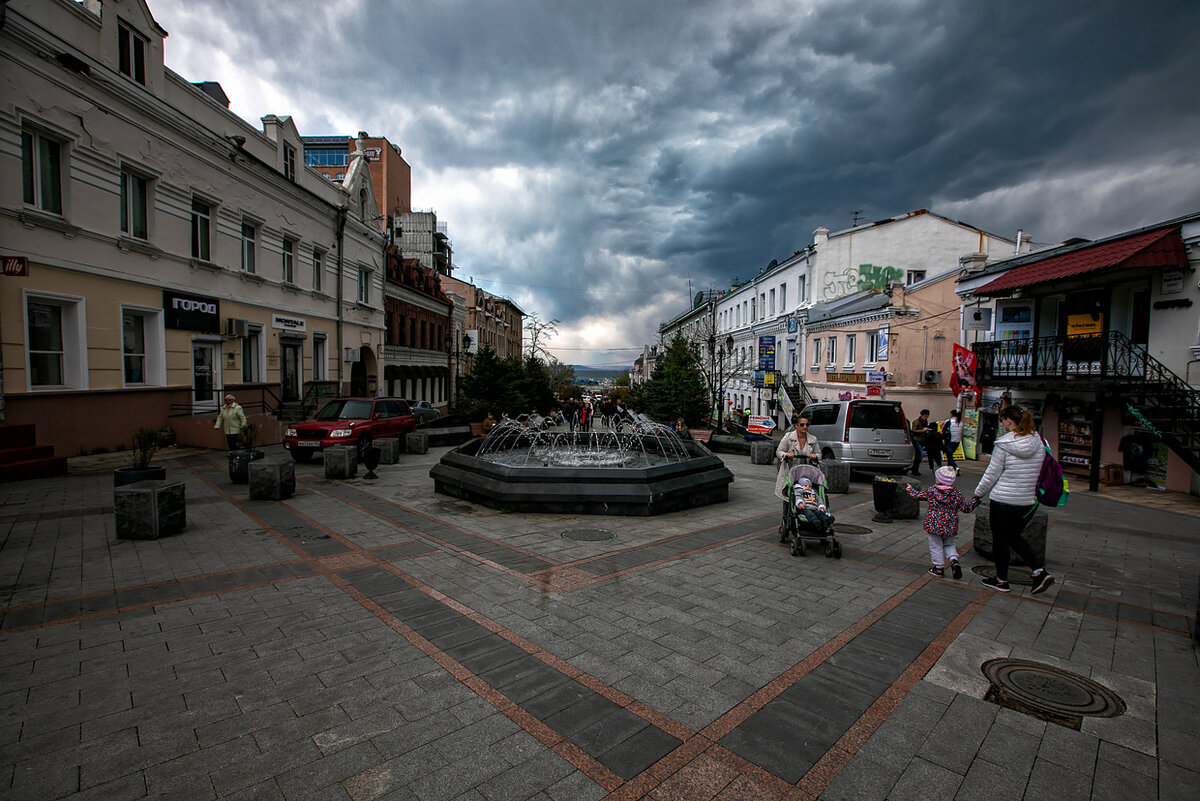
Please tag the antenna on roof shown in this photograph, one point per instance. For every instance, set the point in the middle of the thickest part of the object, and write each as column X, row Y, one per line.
column 857, row 215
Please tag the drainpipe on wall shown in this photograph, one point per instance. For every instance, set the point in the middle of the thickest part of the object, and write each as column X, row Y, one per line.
column 341, row 241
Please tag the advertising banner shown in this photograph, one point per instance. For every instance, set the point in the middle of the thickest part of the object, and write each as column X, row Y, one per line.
column 766, row 353
column 760, row 424
column 962, row 370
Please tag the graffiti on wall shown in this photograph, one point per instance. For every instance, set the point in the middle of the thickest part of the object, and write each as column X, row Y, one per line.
column 856, row 279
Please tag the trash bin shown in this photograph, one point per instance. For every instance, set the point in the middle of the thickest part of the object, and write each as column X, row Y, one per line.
column 891, row 502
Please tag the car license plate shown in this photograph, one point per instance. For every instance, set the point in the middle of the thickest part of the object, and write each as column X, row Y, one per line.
column 308, row 443
column 883, row 453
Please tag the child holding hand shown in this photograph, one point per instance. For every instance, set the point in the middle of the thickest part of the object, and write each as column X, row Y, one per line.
column 941, row 519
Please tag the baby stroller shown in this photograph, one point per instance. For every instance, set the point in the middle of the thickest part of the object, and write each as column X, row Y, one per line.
column 800, row 528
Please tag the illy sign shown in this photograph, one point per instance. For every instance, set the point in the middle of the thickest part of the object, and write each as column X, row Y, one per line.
column 191, row 312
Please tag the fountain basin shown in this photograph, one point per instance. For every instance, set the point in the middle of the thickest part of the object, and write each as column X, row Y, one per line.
column 650, row 489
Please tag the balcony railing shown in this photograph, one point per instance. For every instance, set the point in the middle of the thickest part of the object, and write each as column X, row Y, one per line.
column 1103, row 356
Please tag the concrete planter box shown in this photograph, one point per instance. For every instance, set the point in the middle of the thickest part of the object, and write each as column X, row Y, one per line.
column 762, row 451
column 837, row 476
column 272, row 481
column 239, row 465
column 147, row 510
column 417, row 442
column 131, row 475
column 1035, row 535
column 389, row 450
column 341, row 461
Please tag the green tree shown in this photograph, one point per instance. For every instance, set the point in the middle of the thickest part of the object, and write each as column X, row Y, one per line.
column 676, row 387
column 504, row 385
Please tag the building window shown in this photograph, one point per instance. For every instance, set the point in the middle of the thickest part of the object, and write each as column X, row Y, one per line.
column 816, row 344
column 318, row 268
column 364, row 285
column 802, row 290
column 289, row 261
column 252, row 354
column 54, row 345
column 289, row 162
column 201, row 230
column 320, row 360
column 913, row 276
column 131, row 52
column 141, row 346
column 135, row 204
column 772, row 302
column 249, row 232
column 783, row 297
column 832, row 351
column 41, row 171
column 870, row 356
column 850, row 342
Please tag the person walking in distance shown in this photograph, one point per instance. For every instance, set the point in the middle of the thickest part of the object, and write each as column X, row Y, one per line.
column 953, row 434
column 231, row 420
column 916, row 433
column 934, row 444
column 796, row 447
column 1011, row 482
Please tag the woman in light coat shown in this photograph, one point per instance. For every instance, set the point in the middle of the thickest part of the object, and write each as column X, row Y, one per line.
column 796, row 447
column 1011, row 479
column 231, row 420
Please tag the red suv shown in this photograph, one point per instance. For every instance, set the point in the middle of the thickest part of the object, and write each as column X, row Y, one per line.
column 349, row 421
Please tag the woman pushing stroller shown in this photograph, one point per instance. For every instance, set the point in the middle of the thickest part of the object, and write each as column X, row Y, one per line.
column 796, row 447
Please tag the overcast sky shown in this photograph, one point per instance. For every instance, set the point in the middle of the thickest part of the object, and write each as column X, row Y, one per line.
column 597, row 161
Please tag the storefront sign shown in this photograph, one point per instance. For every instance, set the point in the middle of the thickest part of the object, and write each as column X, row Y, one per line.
column 876, row 376
column 881, row 352
column 766, row 353
column 758, row 424
column 1172, row 281
column 353, row 355
column 874, row 391
column 847, row 378
column 286, row 323
column 978, row 320
column 19, row 266
column 1085, row 325
column 793, row 325
column 191, row 312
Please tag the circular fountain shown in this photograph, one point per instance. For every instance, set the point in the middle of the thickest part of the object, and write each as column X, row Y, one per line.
column 637, row 467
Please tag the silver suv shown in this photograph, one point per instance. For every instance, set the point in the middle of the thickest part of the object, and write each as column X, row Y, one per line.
column 865, row 434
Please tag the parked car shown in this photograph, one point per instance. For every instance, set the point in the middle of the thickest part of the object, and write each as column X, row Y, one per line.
column 349, row 421
column 865, row 434
column 424, row 411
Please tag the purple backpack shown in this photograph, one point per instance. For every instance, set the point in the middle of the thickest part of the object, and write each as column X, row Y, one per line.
column 1052, row 487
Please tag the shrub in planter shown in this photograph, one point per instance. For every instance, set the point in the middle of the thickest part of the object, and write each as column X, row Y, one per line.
column 239, row 461
column 145, row 445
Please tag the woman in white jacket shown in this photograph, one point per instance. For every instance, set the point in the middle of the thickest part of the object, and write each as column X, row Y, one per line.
column 1011, row 478
column 796, row 447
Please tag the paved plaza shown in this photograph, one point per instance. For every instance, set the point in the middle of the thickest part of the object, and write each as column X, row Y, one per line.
column 374, row 640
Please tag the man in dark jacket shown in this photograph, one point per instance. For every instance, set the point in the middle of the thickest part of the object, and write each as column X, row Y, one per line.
column 916, row 433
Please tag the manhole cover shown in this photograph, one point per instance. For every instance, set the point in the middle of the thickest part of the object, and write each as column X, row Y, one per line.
column 1018, row 576
column 588, row 535
column 846, row 528
column 1048, row 692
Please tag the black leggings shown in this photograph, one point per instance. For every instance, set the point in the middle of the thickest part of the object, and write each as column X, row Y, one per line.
column 1008, row 522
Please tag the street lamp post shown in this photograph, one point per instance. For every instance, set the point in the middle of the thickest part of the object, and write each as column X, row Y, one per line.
column 722, row 352
column 457, row 356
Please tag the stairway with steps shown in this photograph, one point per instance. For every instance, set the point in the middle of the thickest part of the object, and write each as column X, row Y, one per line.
column 21, row 457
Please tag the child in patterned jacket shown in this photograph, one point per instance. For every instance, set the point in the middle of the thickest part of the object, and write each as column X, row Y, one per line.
column 941, row 519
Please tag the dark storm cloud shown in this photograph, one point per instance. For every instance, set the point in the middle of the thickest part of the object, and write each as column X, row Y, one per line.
column 615, row 150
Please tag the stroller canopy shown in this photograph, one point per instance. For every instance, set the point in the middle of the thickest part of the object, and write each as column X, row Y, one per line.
column 808, row 471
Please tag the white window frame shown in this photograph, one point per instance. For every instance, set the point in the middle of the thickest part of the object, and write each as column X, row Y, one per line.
column 33, row 179
column 249, row 244
column 320, row 356
column 254, row 348
column 130, row 178
column 74, row 340
column 153, row 355
column 851, row 341
column 364, row 286
column 913, row 276
column 288, row 260
column 773, row 303
column 816, row 348
column 832, row 355
column 289, row 162
column 783, row 297
column 131, row 41
column 202, row 228
column 318, row 263
column 871, row 353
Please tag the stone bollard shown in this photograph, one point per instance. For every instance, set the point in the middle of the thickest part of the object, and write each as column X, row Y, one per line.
column 1034, row 534
column 272, row 480
column 389, row 450
column 146, row 510
column 837, row 476
column 416, row 442
column 762, row 451
column 341, row 461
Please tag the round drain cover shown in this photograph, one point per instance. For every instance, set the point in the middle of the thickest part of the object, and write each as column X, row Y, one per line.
column 1052, row 689
column 588, row 535
column 1018, row 576
column 846, row 528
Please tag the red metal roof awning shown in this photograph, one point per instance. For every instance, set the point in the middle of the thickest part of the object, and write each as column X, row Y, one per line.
column 1160, row 248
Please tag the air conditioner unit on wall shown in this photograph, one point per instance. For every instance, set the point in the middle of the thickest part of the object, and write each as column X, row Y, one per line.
column 931, row 376
column 235, row 328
